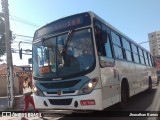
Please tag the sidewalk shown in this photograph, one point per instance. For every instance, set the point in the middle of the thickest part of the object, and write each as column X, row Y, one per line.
column 3, row 103
column 18, row 106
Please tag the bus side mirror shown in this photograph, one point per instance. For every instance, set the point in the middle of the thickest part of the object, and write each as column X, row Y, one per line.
column 30, row 61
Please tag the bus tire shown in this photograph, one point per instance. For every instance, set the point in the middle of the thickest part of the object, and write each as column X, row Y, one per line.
column 150, row 84
column 124, row 94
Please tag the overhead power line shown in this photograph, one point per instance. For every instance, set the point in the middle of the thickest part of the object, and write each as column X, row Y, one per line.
column 23, row 21
column 23, row 42
column 148, row 41
column 22, row 36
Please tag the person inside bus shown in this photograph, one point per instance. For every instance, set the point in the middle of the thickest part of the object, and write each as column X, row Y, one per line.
column 100, row 37
column 46, row 56
column 69, row 59
column 27, row 91
column 86, row 59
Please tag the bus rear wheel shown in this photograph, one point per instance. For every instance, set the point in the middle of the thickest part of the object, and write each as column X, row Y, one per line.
column 124, row 95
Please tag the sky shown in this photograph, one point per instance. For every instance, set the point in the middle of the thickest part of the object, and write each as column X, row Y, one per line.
column 134, row 18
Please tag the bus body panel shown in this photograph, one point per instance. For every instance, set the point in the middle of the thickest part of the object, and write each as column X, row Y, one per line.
column 110, row 86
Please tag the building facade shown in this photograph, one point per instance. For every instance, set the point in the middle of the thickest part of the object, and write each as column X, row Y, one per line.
column 19, row 73
column 154, row 43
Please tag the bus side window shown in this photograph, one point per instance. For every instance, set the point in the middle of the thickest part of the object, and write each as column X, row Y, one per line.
column 101, row 40
column 98, row 37
column 103, row 44
column 106, row 42
column 118, row 50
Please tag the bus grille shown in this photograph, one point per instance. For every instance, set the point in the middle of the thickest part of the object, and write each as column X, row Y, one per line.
column 64, row 92
column 57, row 85
column 60, row 101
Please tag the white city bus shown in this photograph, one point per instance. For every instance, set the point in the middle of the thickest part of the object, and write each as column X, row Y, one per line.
column 81, row 62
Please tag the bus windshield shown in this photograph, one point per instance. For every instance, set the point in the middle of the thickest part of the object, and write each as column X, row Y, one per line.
column 63, row 55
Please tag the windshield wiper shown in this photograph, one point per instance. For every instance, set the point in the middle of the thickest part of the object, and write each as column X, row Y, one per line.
column 68, row 39
column 65, row 46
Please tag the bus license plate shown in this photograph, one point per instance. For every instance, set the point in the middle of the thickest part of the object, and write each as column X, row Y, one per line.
column 87, row 102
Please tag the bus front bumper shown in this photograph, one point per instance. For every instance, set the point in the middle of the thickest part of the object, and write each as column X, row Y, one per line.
column 92, row 101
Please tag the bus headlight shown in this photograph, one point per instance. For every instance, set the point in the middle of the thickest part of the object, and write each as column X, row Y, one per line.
column 88, row 87
column 37, row 92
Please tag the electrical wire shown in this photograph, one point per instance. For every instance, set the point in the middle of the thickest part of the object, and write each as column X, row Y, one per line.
column 25, row 42
column 22, row 35
column 23, row 21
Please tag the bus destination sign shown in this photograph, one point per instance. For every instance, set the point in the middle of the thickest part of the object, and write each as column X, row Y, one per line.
column 64, row 24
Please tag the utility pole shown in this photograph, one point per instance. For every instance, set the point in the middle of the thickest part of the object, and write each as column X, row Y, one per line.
column 8, row 37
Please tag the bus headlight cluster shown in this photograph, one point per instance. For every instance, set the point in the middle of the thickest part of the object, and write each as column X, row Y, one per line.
column 88, row 87
column 37, row 91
